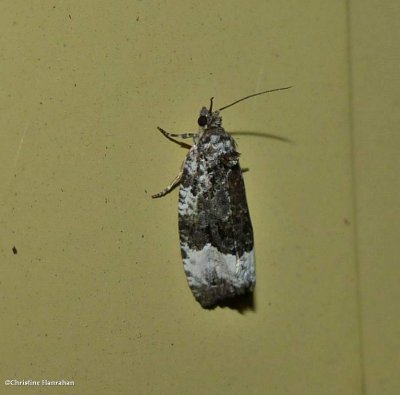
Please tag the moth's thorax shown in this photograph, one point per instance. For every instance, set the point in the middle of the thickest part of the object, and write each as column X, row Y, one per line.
column 215, row 143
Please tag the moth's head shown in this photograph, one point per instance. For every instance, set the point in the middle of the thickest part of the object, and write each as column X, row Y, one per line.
column 209, row 118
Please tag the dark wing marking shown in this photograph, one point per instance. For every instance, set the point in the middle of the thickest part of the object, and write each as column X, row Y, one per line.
column 219, row 215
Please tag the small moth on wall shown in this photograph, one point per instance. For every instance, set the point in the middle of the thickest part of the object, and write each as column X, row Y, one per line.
column 215, row 231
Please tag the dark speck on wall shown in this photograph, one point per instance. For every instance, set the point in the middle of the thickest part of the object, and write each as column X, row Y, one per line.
column 14, row 250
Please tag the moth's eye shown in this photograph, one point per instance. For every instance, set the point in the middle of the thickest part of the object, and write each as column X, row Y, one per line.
column 202, row 121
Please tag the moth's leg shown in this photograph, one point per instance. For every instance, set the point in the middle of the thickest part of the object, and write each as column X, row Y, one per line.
column 170, row 187
column 170, row 136
column 177, row 179
column 180, row 135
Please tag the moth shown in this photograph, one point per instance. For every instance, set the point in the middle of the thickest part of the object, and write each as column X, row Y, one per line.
column 215, row 230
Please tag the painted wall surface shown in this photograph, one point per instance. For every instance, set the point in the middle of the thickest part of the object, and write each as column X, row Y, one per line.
column 375, row 87
column 92, row 288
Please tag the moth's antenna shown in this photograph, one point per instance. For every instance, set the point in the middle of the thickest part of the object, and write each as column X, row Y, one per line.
column 211, row 105
column 254, row 94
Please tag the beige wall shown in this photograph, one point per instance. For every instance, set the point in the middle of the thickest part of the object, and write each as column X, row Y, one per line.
column 375, row 37
column 96, row 291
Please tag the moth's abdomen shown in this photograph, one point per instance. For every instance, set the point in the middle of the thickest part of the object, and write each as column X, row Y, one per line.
column 216, row 235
